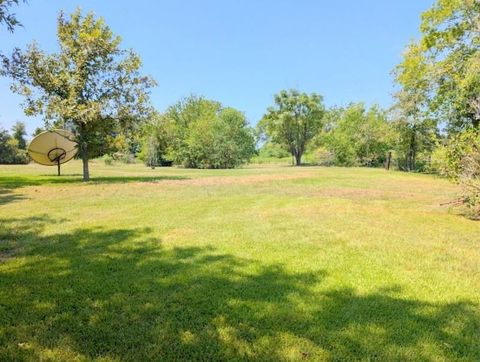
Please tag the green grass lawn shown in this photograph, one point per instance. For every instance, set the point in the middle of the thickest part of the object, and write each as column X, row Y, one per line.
column 260, row 263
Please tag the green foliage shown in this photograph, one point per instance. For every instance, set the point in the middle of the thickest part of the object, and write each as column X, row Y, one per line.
column 37, row 131
column 438, row 160
column 19, row 132
column 158, row 139
column 90, row 85
column 470, row 180
column 320, row 156
column 193, row 135
column 274, row 150
column 357, row 136
column 6, row 16
column 414, row 143
column 107, row 159
column 459, row 160
column 123, row 157
column 10, row 152
column 293, row 121
column 199, row 133
column 441, row 70
column 460, row 147
column 234, row 141
column 416, row 131
column 464, row 165
column 439, row 81
column 272, row 153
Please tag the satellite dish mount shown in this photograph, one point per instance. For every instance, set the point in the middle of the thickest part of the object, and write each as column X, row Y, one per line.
column 55, row 155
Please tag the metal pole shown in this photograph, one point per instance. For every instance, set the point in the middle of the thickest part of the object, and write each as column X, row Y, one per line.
column 58, row 166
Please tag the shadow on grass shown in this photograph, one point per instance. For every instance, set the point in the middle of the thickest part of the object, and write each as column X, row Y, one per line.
column 9, row 184
column 120, row 294
column 6, row 196
column 19, row 181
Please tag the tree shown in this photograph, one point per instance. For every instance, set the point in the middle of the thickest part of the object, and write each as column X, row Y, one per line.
column 200, row 133
column 9, row 151
column 357, row 136
column 293, row 121
column 6, row 16
column 234, row 141
column 90, row 87
column 411, row 113
column 158, row 140
column 19, row 133
column 193, row 117
column 450, row 55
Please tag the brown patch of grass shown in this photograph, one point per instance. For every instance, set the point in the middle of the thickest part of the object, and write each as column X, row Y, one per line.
column 233, row 180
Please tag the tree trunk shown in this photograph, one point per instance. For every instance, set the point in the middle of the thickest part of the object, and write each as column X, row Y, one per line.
column 298, row 159
column 86, row 173
column 414, row 159
column 412, row 154
column 389, row 160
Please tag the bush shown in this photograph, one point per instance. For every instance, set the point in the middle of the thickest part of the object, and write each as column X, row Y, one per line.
column 323, row 157
column 271, row 160
column 21, row 157
column 273, row 150
column 462, row 164
column 123, row 157
column 439, row 163
column 107, row 159
column 358, row 136
column 470, row 182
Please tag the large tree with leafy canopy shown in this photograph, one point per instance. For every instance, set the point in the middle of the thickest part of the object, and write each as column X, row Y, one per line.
column 411, row 113
column 201, row 133
column 442, row 69
column 91, row 86
column 357, row 135
column 293, row 121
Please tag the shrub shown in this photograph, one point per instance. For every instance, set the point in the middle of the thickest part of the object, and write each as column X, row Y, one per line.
column 462, row 164
column 323, row 157
column 439, row 163
column 21, row 157
column 107, row 159
column 273, row 150
column 123, row 157
column 470, row 182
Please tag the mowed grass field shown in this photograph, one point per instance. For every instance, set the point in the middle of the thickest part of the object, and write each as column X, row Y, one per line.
column 260, row 263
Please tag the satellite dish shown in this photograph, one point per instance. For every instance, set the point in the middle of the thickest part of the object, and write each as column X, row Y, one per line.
column 53, row 147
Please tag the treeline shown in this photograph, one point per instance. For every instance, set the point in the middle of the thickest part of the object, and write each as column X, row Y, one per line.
column 354, row 135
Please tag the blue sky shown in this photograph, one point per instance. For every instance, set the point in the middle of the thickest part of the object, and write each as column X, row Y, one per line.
column 241, row 52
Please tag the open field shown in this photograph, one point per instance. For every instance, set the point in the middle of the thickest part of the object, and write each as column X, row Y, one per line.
column 267, row 263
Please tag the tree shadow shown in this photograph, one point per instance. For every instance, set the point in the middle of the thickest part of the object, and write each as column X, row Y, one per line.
column 19, row 181
column 6, row 196
column 121, row 294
